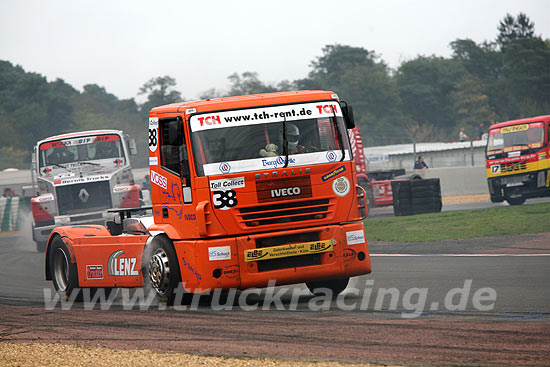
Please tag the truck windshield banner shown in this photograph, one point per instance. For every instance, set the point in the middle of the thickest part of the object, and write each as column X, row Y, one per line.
column 264, row 115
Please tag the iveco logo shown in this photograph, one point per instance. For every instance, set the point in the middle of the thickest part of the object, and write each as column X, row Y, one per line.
column 83, row 195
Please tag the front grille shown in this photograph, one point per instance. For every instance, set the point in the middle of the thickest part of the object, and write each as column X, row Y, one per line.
column 292, row 261
column 294, row 211
column 85, row 197
column 513, row 167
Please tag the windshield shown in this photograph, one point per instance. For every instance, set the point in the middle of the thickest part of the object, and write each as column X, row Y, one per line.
column 253, row 139
column 98, row 150
column 516, row 137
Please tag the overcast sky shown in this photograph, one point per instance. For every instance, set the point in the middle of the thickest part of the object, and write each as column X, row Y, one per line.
column 121, row 44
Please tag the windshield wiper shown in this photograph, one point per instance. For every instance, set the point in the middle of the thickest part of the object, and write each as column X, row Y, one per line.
column 86, row 162
column 285, row 142
column 60, row 166
column 340, row 140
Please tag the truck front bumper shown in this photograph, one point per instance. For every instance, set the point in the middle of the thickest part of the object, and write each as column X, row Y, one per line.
column 42, row 233
column 224, row 263
column 529, row 185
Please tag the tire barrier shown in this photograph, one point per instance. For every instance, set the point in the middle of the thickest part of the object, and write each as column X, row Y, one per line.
column 416, row 196
column 11, row 213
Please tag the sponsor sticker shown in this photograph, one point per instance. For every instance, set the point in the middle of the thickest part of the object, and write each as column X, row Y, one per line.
column 219, row 253
column 297, row 249
column 159, row 180
column 341, row 186
column 70, row 181
column 121, row 266
column 153, row 122
column 333, row 173
column 231, row 271
column 227, row 184
column 94, row 271
column 153, row 161
column 513, row 129
column 355, row 237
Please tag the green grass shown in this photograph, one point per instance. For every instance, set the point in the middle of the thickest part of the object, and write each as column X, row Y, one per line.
column 461, row 224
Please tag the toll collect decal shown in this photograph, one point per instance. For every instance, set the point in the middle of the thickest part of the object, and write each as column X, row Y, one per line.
column 297, row 249
column 355, row 237
column 227, row 184
column 94, row 271
column 341, row 186
column 153, row 133
column 219, row 253
column 283, row 189
column 263, row 115
column 333, row 173
column 121, row 266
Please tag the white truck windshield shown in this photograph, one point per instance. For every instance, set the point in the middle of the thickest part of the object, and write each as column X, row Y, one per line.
column 65, row 152
column 253, row 139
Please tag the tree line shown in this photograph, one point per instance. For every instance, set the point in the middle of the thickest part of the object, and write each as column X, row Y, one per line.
column 428, row 98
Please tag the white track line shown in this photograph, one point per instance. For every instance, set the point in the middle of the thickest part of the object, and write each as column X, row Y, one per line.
column 458, row 255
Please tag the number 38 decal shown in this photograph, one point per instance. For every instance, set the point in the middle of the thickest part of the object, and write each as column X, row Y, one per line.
column 225, row 200
column 153, row 140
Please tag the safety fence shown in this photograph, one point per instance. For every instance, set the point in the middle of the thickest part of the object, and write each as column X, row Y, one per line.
column 12, row 211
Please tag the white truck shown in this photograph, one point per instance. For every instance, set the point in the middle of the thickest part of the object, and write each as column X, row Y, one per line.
column 77, row 177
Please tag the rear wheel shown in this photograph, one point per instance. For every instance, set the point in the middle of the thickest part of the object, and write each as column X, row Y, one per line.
column 64, row 273
column 163, row 272
column 336, row 286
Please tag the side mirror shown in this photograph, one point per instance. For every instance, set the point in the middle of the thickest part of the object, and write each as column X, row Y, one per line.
column 347, row 111
column 132, row 146
column 175, row 132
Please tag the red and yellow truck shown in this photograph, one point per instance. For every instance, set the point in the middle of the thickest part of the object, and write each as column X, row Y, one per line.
column 518, row 160
column 245, row 190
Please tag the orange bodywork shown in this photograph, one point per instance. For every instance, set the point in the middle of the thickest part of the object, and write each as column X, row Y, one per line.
column 313, row 208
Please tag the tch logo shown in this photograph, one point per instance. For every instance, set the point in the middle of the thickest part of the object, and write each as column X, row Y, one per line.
column 120, row 266
column 209, row 120
column 327, row 108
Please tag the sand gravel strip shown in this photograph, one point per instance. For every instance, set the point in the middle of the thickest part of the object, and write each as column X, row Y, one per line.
column 38, row 355
column 479, row 198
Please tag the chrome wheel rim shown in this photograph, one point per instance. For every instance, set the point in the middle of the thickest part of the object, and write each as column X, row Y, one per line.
column 159, row 271
column 61, row 270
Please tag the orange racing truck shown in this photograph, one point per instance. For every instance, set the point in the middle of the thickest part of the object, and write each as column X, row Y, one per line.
column 518, row 160
column 245, row 190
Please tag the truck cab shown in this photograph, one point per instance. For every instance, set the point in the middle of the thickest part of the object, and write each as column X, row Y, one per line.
column 246, row 190
column 518, row 160
column 77, row 177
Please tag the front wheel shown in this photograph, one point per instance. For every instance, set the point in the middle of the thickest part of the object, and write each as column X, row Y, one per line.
column 162, row 269
column 336, row 286
column 516, row 200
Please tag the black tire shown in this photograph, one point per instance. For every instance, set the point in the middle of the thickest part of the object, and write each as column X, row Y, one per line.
column 425, row 182
column 424, row 202
column 63, row 272
column 425, row 195
column 162, row 271
column 402, row 203
column 423, row 189
column 41, row 246
column 337, row 286
column 516, row 201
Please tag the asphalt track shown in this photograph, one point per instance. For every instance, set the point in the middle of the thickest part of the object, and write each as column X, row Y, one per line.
column 422, row 309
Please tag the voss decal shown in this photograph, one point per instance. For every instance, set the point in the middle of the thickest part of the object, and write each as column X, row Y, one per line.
column 159, row 180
